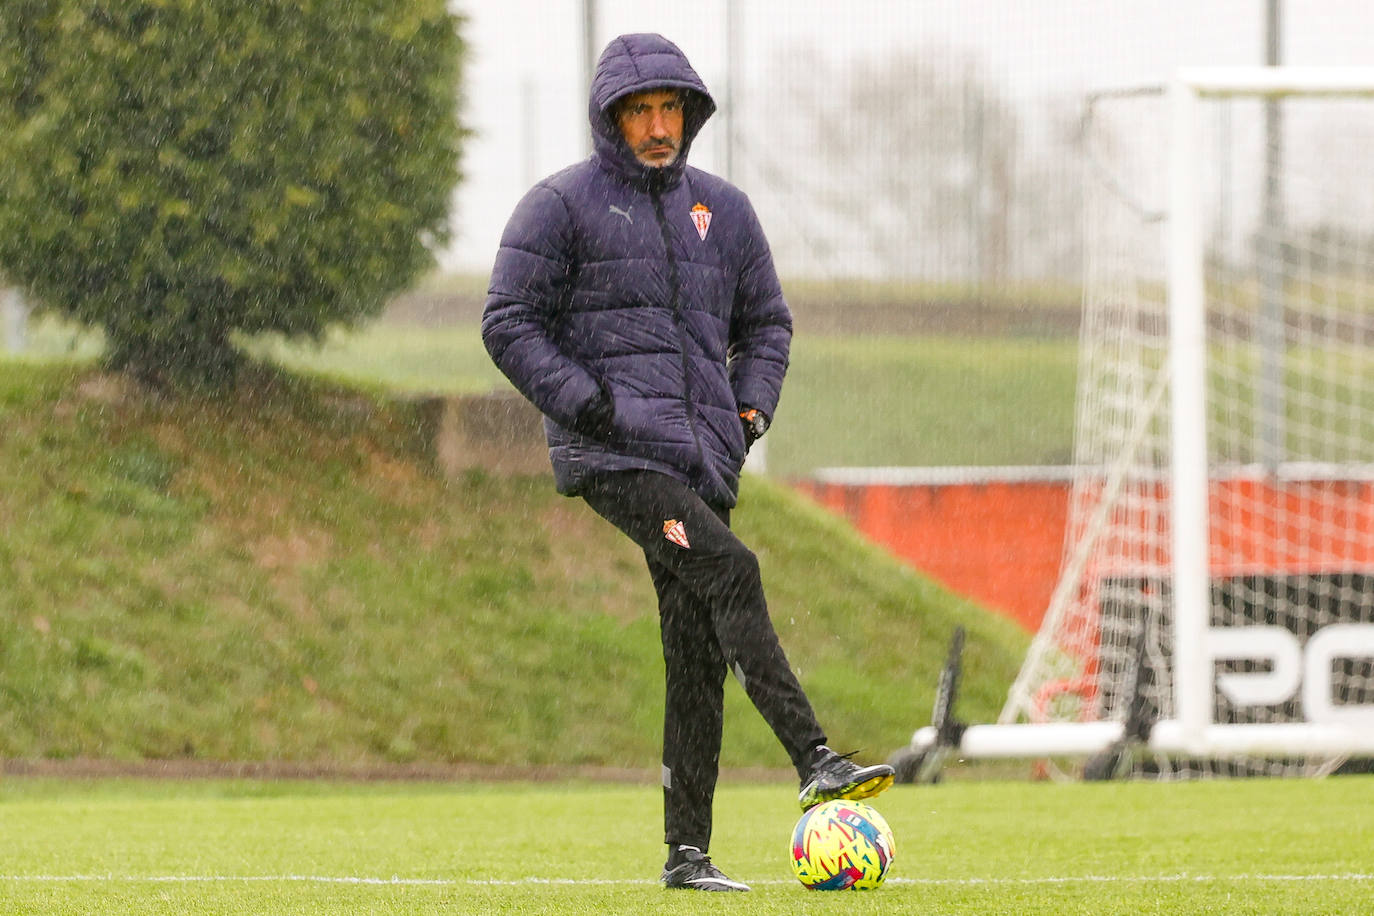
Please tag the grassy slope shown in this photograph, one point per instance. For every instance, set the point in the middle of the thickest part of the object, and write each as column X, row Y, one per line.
column 278, row 576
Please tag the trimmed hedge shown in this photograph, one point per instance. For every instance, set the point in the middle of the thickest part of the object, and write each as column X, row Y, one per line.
column 173, row 171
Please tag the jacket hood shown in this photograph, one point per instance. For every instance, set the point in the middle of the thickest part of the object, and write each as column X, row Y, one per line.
column 635, row 63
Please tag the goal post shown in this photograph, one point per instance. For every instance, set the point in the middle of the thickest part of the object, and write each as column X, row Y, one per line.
column 1187, row 379
column 1218, row 570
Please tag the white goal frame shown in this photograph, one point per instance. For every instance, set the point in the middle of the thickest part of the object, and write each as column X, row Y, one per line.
column 1192, row 732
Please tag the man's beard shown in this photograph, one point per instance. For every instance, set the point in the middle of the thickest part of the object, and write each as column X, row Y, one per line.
column 654, row 143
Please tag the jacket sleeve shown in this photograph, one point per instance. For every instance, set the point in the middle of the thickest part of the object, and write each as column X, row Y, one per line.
column 760, row 325
column 528, row 280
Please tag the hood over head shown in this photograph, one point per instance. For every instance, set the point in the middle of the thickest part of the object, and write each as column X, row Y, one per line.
column 635, row 63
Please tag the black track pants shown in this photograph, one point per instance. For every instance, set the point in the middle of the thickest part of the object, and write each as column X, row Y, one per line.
column 713, row 618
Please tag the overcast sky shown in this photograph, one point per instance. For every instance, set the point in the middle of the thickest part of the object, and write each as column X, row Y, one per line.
column 527, row 95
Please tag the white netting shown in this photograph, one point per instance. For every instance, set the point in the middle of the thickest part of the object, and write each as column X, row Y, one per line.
column 1288, row 229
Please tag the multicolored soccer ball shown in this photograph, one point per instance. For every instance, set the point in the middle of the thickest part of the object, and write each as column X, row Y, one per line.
column 842, row 845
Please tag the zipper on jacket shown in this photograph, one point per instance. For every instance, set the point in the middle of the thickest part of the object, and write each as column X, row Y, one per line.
column 675, row 302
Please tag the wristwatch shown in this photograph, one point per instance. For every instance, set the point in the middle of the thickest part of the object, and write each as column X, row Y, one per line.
column 756, row 421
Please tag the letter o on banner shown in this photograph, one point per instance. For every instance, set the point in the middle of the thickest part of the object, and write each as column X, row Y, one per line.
column 1342, row 640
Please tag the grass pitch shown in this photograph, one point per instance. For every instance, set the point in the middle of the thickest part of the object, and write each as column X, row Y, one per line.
column 995, row 847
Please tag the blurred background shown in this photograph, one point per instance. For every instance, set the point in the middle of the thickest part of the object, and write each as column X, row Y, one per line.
column 919, row 169
column 944, row 186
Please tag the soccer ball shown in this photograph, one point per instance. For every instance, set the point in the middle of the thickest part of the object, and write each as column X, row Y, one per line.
column 842, row 845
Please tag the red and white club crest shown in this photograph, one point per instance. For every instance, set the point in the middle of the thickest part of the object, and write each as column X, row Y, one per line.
column 676, row 532
column 701, row 218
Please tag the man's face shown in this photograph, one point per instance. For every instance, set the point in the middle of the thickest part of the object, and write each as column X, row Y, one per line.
column 651, row 122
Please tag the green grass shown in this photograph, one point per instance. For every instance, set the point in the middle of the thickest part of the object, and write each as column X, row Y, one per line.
column 397, row 357
column 852, row 400
column 48, row 338
column 281, row 575
column 866, row 401
column 1241, row 847
column 863, row 400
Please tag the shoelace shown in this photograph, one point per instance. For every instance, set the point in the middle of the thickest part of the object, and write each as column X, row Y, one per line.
column 703, row 865
column 836, row 762
column 695, row 857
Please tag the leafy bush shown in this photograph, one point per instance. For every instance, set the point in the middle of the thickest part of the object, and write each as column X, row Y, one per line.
column 173, row 171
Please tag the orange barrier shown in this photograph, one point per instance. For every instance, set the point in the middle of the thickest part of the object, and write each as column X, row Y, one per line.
column 998, row 541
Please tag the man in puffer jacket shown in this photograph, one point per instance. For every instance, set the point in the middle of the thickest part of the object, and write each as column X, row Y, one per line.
column 634, row 302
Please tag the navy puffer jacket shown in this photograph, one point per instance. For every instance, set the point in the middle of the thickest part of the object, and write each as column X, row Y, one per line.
column 653, row 286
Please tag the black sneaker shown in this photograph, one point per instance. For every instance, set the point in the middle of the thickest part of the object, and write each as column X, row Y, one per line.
column 836, row 776
column 689, row 868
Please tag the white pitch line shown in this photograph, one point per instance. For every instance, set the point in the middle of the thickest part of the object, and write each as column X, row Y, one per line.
column 532, row 880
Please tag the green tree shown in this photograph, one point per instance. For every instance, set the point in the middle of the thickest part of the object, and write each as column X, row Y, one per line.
column 173, row 171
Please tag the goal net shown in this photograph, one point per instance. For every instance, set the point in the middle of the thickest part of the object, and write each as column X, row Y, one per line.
column 1218, row 573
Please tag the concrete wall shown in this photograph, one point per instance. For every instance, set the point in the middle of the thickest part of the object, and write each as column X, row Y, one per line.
column 500, row 433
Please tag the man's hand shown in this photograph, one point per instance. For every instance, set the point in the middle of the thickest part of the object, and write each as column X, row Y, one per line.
column 755, row 424
column 597, row 419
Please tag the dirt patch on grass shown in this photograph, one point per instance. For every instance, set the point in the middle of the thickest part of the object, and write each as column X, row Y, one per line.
column 586, row 552
column 292, row 552
column 113, row 388
column 285, row 558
